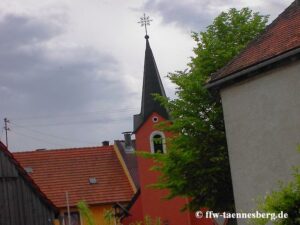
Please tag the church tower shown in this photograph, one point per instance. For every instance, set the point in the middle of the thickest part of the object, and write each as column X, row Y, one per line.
column 149, row 138
column 152, row 112
column 151, row 85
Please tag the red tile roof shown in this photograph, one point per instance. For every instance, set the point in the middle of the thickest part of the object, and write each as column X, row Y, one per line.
column 68, row 170
column 281, row 36
column 23, row 173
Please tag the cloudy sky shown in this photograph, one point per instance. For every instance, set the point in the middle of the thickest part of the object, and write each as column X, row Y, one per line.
column 71, row 70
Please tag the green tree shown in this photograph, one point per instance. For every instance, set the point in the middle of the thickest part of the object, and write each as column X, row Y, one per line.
column 284, row 200
column 197, row 165
column 109, row 216
column 85, row 212
column 148, row 221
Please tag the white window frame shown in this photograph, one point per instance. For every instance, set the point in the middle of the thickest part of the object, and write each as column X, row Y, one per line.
column 163, row 140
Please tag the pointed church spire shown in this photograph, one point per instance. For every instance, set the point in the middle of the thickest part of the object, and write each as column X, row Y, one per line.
column 151, row 85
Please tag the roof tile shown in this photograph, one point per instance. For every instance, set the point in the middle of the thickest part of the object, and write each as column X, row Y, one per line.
column 68, row 170
column 281, row 36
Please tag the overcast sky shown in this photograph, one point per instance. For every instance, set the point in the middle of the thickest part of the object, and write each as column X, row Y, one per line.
column 71, row 70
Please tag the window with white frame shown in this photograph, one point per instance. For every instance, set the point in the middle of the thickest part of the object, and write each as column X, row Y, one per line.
column 157, row 142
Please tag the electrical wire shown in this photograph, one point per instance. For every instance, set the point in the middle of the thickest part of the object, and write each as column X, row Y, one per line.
column 51, row 116
column 88, row 122
column 34, row 138
column 71, row 123
column 51, row 135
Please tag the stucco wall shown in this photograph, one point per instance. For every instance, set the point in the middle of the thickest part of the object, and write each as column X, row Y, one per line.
column 98, row 213
column 262, row 119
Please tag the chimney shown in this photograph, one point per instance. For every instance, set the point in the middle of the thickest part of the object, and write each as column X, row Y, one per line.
column 105, row 143
column 127, row 138
column 128, row 142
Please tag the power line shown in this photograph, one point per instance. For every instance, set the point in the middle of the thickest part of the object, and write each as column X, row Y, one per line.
column 6, row 128
column 35, row 133
column 51, row 135
column 34, row 138
column 71, row 123
column 51, row 116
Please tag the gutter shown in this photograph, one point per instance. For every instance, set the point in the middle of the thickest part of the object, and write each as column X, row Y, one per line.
column 251, row 69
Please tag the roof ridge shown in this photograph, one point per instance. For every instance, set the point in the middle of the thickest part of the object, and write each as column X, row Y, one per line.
column 65, row 149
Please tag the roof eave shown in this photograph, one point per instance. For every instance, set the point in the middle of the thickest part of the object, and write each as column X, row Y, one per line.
column 252, row 70
column 136, row 128
column 28, row 179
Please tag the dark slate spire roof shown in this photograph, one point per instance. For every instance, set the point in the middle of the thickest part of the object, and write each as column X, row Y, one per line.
column 151, row 84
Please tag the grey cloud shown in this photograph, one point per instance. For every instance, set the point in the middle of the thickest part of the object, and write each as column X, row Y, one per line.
column 17, row 31
column 197, row 15
column 34, row 81
column 194, row 16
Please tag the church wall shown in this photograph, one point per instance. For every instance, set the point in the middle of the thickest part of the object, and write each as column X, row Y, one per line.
column 136, row 213
column 152, row 200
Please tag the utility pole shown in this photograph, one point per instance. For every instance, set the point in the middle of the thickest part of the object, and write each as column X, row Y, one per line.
column 6, row 128
column 68, row 208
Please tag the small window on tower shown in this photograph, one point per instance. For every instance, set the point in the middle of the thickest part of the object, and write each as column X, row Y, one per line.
column 158, row 145
column 155, row 119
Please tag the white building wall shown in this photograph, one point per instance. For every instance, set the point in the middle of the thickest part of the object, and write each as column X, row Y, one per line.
column 262, row 119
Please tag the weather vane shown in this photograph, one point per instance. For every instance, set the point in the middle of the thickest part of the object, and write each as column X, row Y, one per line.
column 145, row 21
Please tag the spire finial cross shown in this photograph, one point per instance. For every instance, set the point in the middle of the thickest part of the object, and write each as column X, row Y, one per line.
column 145, row 21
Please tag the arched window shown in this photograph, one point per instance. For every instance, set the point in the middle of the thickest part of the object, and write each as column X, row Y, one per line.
column 157, row 142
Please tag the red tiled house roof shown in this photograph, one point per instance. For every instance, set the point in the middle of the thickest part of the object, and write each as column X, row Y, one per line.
column 68, row 170
column 281, row 36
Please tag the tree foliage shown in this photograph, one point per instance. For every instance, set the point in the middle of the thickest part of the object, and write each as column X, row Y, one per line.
column 85, row 212
column 197, row 165
column 148, row 221
column 286, row 200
